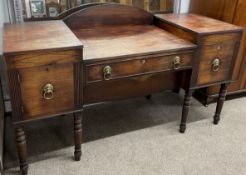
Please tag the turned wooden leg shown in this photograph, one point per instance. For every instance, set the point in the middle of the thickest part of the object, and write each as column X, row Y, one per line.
column 220, row 103
column 22, row 150
column 185, row 111
column 77, row 135
column 148, row 97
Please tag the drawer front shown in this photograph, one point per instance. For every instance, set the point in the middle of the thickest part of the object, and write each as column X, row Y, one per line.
column 220, row 38
column 46, row 90
column 41, row 58
column 216, row 63
column 131, row 87
column 128, row 68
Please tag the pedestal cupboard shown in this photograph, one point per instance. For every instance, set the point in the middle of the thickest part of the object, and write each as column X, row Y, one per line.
column 234, row 12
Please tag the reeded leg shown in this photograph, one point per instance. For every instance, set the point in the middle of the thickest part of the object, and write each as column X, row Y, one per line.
column 186, row 107
column 22, row 150
column 220, row 102
column 148, row 97
column 77, row 135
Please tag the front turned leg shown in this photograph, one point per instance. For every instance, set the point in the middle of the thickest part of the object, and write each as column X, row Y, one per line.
column 185, row 111
column 22, row 150
column 77, row 135
column 220, row 102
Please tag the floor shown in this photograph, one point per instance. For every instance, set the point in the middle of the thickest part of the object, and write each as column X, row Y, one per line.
column 138, row 137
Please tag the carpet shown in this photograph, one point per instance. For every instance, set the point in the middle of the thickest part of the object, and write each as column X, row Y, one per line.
column 138, row 137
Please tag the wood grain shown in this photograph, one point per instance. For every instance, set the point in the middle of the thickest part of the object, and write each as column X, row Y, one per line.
column 198, row 24
column 129, row 40
column 60, row 76
column 219, row 9
column 232, row 11
column 131, row 87
column 215, row 39
column 186, row 35
column 105, row 14
column 15, row 94
column 208, row 54
column 240, row 67
column 134, row 67
column 220, row 38
column 40, row 58
column 43, row 35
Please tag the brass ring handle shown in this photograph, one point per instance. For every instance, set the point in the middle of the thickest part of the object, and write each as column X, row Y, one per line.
column 107, row 70
column 48, row 91
column 176, row 62
column 216, row 65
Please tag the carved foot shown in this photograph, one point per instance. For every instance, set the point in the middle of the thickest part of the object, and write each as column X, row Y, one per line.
column 216, row 120
column 185, row 111
column 220, row 102
column 22, row 150
column 182, row 128
column 24, row 170
column 77, row 135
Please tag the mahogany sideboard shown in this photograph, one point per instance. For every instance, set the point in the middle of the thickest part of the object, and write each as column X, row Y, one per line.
column 231, row 11
column 107, row 52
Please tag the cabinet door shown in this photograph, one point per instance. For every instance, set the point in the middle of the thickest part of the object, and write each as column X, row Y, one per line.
column 46, row 90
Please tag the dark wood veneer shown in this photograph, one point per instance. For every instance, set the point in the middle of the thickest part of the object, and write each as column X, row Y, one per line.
column 143, row 54
column 145, row 65
column 231, row 11
column 42, row 35
column 85, row 18
column 215, row 39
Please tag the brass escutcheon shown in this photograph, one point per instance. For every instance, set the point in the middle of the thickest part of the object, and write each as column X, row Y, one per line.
column 107, row 70
column 48, row 91
column 176, row 62
column 216, row 65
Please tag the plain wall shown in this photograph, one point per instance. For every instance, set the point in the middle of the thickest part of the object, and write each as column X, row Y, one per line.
column 3, row 12
column 184, row 6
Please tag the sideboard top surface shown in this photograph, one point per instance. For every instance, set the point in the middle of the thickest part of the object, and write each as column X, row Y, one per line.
column 116, row 41
column 42, row 35
column 198, row 24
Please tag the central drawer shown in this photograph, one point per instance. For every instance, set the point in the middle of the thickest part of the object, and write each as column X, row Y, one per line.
column 110, row 70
